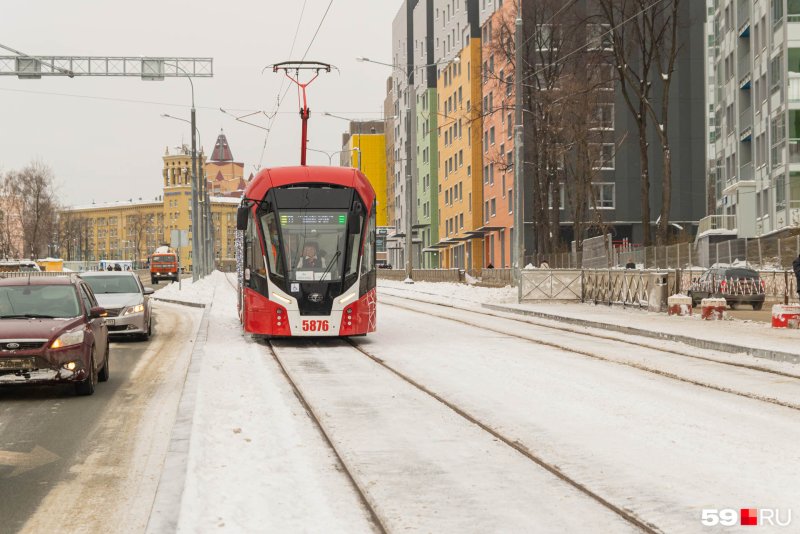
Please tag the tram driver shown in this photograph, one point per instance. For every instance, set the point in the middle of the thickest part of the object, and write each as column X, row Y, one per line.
column 311, row 260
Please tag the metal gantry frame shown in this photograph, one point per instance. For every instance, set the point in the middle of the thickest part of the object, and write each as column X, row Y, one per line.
column 29, row 67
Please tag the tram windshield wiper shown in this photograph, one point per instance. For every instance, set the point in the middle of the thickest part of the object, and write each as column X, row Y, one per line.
column 330, row 264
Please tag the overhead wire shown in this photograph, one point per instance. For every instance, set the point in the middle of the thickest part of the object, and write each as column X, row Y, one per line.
column 281, row 99
column 278, row 97
column 170, row 104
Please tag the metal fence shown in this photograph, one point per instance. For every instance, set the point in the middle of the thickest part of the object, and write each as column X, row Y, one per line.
column 759, row 253
column 630, row 287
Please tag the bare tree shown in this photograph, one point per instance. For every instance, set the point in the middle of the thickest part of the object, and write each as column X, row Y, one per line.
column 33, row 189
column 645, row 45
column 137, row 226
column 567, row 87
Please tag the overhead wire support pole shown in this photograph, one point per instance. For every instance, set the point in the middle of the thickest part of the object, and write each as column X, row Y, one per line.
column 305, row 112
column 519, row 159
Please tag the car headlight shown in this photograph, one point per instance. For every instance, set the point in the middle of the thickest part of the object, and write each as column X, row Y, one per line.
column 139, row 308
column 67, row 339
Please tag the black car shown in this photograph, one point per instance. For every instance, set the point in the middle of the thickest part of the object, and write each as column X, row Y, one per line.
column 737, row 285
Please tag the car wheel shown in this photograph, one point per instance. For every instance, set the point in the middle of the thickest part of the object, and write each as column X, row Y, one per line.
column 86, row 387
column 757, row 306
column 104, row 372
column 733, row 305
column 153, row 281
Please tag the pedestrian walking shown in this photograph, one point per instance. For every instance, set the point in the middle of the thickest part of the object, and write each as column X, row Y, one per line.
column 796, row 268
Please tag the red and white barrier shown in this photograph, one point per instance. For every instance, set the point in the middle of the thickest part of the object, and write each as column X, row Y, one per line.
column 713, row 309
column 679, row 305
column 786, row 316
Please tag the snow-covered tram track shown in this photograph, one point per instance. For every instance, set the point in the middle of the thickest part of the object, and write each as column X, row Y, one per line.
column 429, row 484
column 664, row 346
column 365, row 502
column 763, row 391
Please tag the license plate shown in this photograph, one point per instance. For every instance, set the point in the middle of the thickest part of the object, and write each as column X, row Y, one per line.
column 111, row 322
column 16, row 363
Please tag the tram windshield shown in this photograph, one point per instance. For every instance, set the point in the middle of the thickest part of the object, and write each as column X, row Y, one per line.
column 313, row 247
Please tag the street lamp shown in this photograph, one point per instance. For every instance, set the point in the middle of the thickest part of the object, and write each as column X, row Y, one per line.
column 331, row 154
column 358, row 133
column 197, row 231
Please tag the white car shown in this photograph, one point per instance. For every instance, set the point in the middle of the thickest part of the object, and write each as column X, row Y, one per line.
column 126, row 301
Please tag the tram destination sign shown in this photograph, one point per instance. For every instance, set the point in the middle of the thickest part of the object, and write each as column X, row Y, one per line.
column 315, row 219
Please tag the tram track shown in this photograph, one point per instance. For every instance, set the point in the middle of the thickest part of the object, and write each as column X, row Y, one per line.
column 362, row 496
column 596, row 356
column 514, row 444
column 564, row 327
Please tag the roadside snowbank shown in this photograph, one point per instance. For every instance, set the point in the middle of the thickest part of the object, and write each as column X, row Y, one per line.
column 450, row 292
column 200, row 292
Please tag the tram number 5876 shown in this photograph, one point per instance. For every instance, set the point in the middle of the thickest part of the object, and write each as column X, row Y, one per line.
column 315, row 326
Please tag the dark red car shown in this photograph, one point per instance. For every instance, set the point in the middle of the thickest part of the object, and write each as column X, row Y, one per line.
column 51, row 331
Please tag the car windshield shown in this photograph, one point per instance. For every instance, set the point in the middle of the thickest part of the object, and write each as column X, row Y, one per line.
column 48, row 301
column 112, row 284
column 164, row 259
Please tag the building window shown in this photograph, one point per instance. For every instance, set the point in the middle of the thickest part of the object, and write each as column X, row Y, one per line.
column 777, row 11
column 493, row 207
column 599, row 37
column 776, row 72
column 602, row 155
column 604, row 195
column 603, row 118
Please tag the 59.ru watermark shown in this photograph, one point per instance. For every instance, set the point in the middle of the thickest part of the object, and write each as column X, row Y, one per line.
column 750, row 517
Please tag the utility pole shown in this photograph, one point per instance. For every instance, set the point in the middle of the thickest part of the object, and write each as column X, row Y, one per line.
column 519, row 159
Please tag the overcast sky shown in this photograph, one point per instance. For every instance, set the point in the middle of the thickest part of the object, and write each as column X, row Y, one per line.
column 105, row 150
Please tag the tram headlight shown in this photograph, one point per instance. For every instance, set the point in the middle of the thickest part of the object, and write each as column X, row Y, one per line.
column 282, row 298
column 347, row 298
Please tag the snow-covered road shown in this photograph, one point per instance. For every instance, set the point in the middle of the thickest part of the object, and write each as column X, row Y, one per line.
column 647, row 430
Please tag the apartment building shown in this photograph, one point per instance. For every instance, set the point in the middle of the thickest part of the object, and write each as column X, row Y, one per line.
column 757, row 117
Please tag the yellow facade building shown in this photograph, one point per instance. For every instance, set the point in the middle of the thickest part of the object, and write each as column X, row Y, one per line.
column 364, row 148
column 133, row 229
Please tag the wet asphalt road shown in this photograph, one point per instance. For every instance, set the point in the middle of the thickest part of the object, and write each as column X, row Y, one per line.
column 42, row 429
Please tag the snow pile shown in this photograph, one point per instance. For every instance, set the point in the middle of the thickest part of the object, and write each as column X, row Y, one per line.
column 449, row 292
column 200, row 292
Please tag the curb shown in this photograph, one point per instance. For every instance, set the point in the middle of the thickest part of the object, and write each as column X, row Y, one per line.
column 181, row 302
column 695, row 342
column 166, row 508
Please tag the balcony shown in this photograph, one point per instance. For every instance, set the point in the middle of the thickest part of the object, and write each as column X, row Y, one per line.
column 746, row 82
column 794, row 150
column 794, row 87
column 721, row 224
column 746, row 172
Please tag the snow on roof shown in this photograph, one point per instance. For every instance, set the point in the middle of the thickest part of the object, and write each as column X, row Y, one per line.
column 115, row 204
column 226, row 200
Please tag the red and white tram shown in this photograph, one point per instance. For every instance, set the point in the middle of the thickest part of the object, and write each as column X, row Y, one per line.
column 308, row 248
column 308, row 253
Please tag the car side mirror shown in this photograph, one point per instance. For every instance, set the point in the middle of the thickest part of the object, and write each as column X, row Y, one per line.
column 149, row 291
column 242, row 214
column 96, row 312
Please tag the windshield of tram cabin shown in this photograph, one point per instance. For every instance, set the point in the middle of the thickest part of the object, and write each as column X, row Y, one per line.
column 313, row 243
